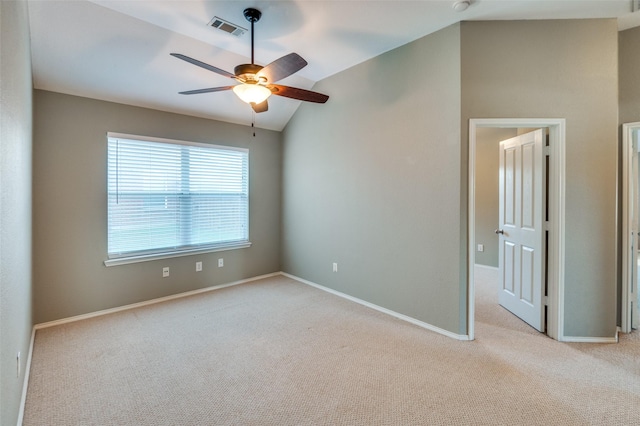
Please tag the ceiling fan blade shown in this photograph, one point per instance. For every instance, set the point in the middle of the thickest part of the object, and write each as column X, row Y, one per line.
column 209, row 90
column 282, row 67
column 299, row 94
column 261, row 107
column 203, row 65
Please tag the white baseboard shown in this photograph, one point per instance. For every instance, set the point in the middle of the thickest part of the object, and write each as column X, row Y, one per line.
column 492, row 268
column 25, row 384
column 381, row 309
column 581, row 339
column 148, row 302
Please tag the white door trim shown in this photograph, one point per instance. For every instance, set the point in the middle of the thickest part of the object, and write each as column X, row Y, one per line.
column 557, row 139
column 627, row 196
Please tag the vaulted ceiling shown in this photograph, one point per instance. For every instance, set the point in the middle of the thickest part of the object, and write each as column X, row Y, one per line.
column 120, row 50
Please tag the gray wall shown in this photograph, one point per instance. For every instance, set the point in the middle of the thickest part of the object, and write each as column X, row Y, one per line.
column 371, row 181
column 487, row 199
column 15, row 204
column 70, row 210
column 565, row 69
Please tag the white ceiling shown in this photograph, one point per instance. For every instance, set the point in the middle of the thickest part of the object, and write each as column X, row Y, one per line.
column 119, row 50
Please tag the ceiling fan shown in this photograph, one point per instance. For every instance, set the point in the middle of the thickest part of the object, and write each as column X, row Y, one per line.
column 257, row 82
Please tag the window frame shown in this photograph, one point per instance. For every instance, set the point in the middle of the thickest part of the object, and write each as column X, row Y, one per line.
column 155, row 254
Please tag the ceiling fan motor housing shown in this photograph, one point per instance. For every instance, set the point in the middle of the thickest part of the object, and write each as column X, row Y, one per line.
column 246, row 73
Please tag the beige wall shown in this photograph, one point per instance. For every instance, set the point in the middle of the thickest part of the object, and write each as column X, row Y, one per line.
column 487, row 176
column 15, row 204
column 561, row 69
column 70, row 210
column 372, row 182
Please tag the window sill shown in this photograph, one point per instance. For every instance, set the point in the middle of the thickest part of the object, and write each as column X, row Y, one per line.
column 170, row 254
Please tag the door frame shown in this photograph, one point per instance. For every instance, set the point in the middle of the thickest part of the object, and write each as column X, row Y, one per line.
column 556, row 206
column 627, row 196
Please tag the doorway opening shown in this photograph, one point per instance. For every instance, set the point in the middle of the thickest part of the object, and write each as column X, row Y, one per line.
column 555, row 226
column 630, row 299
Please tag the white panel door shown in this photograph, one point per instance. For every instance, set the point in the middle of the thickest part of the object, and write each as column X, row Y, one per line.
column 521, row 227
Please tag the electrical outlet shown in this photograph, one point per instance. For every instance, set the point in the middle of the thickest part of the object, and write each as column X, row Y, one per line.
column 480, row 247
column 335, row 267
column 198, row 266
column 18, row 366
column 220, row 263
column 165, row 272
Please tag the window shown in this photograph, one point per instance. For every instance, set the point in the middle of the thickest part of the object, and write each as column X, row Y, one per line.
column 168, row 198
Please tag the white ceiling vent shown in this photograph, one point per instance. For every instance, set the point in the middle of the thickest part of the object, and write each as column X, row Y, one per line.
column 227, row 26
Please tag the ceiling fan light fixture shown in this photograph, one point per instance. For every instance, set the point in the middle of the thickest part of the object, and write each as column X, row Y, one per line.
column 252, row 92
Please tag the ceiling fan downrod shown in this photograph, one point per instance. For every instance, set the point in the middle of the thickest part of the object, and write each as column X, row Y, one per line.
column 253, row 16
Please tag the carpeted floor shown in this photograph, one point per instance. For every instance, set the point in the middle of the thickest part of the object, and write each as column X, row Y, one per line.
column 277, row 352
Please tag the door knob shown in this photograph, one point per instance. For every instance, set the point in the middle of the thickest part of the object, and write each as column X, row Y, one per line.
column 499, row 231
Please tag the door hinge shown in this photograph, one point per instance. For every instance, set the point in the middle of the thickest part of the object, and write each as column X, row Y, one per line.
column 547, row 226
column 547, row 151
column 545, row 301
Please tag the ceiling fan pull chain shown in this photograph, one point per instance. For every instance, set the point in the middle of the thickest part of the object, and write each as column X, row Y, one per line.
column 253, row 122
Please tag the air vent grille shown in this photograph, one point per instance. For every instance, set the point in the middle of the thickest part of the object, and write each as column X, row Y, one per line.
column 227, row 26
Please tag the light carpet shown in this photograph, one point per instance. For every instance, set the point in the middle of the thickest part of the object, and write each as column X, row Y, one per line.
column 278, row 352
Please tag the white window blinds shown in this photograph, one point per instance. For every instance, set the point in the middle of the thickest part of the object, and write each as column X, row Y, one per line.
column 172, row 196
